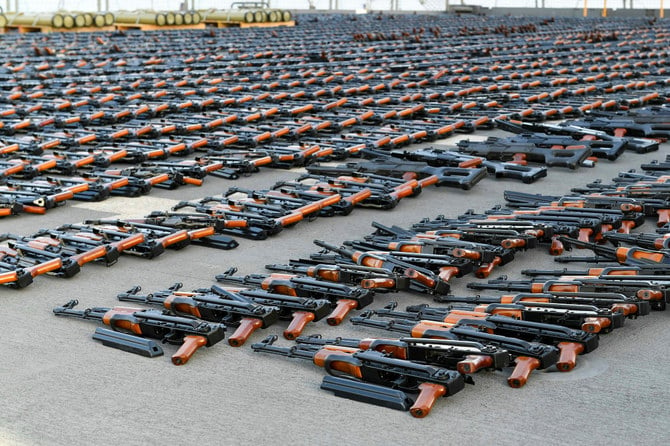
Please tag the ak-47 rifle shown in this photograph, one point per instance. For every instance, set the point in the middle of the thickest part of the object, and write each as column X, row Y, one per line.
column 465, row 356
column 378, row 279
column 343, row 297
column 299, row 310
column 189, row 333
column 379, row 369
column 528, row 355
column 236, row 311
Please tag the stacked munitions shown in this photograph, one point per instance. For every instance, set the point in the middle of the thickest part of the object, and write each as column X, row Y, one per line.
column 85, row 21
column 59, row 20
column 547, row 322
column 157, row 18
column 245, row 15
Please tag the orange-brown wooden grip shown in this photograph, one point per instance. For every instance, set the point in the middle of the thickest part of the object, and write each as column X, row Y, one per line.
column 524, row 366
column 447, row 272
column 419, row 277
column 584, row 236
column 663, row 216
column 626, row 309
column 377, row 283
column 485, row 270
column 297, row 325
column 466, row 254
column 344, row 306
column 568, row 357
column 626, row 226
column 648, row 294
column 559, row 288
column 556, row 248
column 659, row 243
column 244, row 330
column 122, row 317
column 595, row 324
column 513, row 243
column 454, row 316
column 474, row 363
column 191, row 345
column 428, row 395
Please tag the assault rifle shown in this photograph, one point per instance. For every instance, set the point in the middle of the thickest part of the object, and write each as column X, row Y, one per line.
column 378, row 279
column 528, row 355
column 189, row 333
column 299, row 310
column 343, row 297
column 465, row 356
column 373, row 367
column 232, row 310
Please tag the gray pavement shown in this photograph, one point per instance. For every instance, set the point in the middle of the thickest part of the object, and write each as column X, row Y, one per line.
column 59, row 387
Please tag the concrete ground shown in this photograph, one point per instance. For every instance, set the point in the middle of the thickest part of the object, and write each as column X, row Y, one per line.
column 59, row 387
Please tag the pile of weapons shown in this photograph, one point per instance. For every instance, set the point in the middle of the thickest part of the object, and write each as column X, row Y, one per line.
column 36, row 178
column 548, row 322
column 61, row 252
column 323, row 191
column 227, row 104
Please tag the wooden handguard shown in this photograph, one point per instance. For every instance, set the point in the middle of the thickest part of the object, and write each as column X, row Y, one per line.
column 191, row 345
column 524, row 366
column 429, row 393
